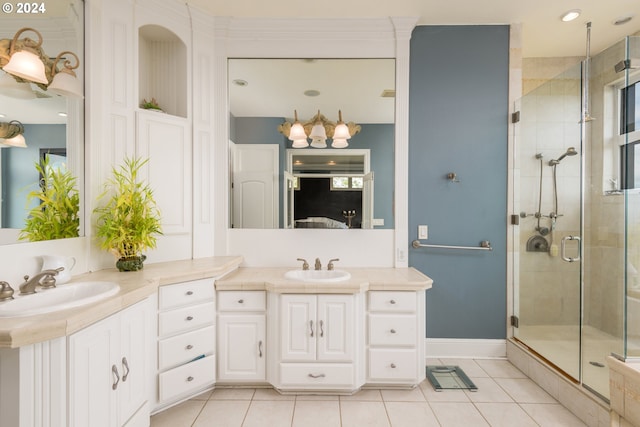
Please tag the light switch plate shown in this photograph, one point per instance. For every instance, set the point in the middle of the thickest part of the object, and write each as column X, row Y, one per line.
column 423, row 232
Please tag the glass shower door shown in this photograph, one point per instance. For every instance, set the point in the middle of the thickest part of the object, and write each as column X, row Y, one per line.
column 548, row 237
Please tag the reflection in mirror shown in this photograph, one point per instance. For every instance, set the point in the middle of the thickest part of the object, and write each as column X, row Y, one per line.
column 51, row 121
column 269, row 186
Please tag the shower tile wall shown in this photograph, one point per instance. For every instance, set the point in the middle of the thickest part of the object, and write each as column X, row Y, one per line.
column 548, row 125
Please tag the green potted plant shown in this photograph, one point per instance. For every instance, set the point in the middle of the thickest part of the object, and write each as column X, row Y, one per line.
column 150, row 105
column 130, row 220
column 56, row 215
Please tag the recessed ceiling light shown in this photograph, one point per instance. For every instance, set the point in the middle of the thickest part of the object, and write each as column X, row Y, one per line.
column 571, row 15
column 240, row 82
column 312, row 92
column 62, row 114
column 623, row 20
column 2, row 116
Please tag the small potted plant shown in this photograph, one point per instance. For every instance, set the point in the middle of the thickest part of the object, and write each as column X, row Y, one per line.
column 150, row 105
column 56, row 215
column 130, row 220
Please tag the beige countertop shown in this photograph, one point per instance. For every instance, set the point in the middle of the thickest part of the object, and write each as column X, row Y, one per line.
column 362, row 279
column 134, row 287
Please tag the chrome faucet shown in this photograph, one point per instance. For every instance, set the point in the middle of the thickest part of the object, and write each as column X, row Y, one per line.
column 305, row 264
column 29, row 285
column 330, row 265
column 6, row 291
column 318, row 265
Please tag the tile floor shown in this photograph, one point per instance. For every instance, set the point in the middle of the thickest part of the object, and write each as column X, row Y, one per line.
column 505, row 397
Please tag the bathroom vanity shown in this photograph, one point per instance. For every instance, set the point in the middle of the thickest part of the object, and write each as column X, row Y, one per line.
column 176, row 329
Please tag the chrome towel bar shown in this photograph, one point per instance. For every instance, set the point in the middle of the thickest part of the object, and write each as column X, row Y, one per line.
column 485, row 245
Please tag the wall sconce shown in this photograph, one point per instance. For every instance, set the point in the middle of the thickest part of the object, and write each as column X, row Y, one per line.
column 318, row 129
column 26, row 61
column 11, row 134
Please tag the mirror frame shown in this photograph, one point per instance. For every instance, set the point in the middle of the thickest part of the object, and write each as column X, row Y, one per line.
column 313, row 38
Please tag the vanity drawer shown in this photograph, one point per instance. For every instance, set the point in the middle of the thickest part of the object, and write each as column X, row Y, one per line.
column 392, row 330
column 196, row 291
column 242, row 301
column 186, row 318
column 322, row 375
column 392, row 364
column 185, row 347
column 392, row 301
column 187, row 377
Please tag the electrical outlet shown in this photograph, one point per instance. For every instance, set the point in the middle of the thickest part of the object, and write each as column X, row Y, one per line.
column 423, row 232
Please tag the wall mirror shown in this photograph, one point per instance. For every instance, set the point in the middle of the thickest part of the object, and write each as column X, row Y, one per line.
column 269, row 186
column 51, row 122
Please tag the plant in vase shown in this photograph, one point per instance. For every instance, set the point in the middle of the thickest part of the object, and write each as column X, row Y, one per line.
column 150, row 105
column 130, row 220
column 56, row 214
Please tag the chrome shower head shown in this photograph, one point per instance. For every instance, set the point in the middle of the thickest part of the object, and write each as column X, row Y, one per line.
column 571, row 151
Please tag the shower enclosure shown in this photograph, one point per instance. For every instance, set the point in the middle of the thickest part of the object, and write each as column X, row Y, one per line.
column 576, row 206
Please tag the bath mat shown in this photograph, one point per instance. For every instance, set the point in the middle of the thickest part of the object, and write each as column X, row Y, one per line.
column 444, row 377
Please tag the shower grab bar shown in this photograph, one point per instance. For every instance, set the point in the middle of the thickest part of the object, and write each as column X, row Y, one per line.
column 485, row 245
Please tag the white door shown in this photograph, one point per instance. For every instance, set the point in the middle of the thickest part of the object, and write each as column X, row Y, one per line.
column 92, row 356
column 255, row 186
column 298, row 328
column 242, row 347
column 367, row 201
column 288, row 199
column 335, row 328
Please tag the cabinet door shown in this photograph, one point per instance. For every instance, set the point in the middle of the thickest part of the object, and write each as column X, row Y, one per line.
column 335, row 328
column 135, row 330
column 92, row 354
column 241, row 347
column 298, row 328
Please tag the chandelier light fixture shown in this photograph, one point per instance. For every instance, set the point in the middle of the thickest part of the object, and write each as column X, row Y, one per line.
column 319, row 129
column 27, row 62
column 12, row 134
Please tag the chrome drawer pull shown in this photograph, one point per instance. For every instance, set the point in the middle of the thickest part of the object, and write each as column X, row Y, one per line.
column 321, row 329
column 393, row 331
column 317, row 376
column 393, row 366
column 189, row 293
column 189, row 347
column 189, row 318
column 189, row 379
column 240, row 301
column 392, row 301
column 126, row 365
column 114, row 370
column 260, row 348
column 311, row 327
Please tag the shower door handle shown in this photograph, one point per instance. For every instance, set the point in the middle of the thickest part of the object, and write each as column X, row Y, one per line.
column 563, row 248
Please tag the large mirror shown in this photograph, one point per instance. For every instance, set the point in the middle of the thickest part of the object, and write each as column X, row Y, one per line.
column 52, row 123
column 275, row 185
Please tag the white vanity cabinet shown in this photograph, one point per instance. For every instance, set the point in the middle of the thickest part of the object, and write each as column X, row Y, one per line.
column 108, row 370
column 319, row 338
column 395, row 327
column 186, row 340
column 242, row 336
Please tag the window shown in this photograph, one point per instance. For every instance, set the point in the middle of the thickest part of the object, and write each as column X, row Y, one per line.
column 629, row 132
column 346, row 183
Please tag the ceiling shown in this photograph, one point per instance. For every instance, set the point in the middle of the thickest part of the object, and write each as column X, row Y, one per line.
column 543, row 33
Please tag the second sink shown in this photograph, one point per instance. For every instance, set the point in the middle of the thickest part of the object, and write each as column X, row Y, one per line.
column 318, row 275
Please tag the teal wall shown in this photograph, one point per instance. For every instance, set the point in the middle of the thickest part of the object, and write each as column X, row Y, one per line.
column 458, row 122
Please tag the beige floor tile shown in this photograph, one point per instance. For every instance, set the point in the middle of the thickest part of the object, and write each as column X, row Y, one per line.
column 457, row 414
column 321, row 413
column 498, row 368
column 232, row 394
column 442, row 396
column 359, row 414
column 182, row 415
column 370, row 395
column 271, row 394
column 223, row 413
column 413, row 395
column 316, row 397
column 469, row 366
column 505, row 415
column 524, row 390
column 552, row 415
column 411, row 414
column 488, row 391
column 269, row 413
column 203, row 396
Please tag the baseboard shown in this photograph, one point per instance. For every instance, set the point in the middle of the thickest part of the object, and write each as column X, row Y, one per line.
column 465, row 348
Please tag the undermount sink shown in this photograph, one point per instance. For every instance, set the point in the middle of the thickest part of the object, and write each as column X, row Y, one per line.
column 58, row 298
column 318, row 275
